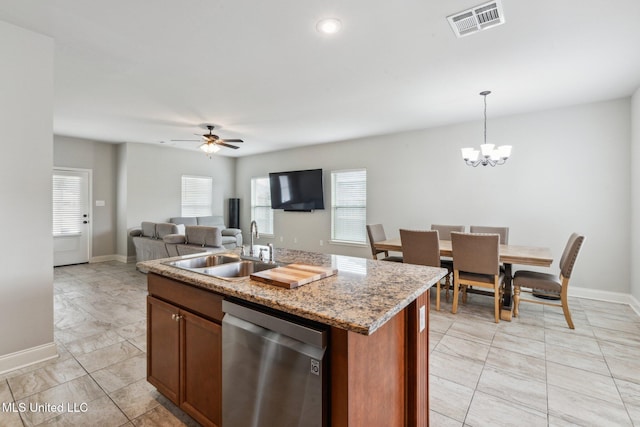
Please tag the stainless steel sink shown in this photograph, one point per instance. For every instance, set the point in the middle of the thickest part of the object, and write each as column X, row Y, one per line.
column 238, row 269
column 222, row 266
column 204, row 261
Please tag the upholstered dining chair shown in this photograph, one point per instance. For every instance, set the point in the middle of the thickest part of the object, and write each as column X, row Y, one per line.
column 503, row 232
column 422, row 248
column 444, row 232
column 550, row 284
column 376, row 234
column 476, row 263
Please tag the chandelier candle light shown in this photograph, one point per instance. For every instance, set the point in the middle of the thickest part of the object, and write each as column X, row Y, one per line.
column 490, row 155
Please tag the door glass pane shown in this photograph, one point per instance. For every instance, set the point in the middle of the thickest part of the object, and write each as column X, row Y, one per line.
column 67, row 205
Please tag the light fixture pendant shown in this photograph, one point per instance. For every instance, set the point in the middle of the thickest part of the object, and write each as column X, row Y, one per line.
column 488, row 153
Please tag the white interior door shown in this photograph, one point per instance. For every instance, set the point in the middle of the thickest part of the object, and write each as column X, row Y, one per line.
column 71, row 227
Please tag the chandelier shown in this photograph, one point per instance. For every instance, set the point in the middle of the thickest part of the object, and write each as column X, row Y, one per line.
column 488, row 154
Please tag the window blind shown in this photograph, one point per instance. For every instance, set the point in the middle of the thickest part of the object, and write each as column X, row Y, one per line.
column 349, row 206
column 67, row 205
column 261, row 211
column 197, row 195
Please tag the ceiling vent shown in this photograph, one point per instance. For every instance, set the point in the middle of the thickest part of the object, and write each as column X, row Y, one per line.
column 477, row 18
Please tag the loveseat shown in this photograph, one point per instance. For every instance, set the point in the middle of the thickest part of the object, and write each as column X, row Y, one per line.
column 231, row 237
column 162, row 240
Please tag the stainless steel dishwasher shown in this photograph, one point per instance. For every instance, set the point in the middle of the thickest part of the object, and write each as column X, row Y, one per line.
column 273, row 369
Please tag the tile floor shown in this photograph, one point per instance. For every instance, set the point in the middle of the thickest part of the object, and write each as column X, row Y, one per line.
column 531, row 371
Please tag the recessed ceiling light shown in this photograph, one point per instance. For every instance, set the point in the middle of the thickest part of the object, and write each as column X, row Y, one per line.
column 329, row 25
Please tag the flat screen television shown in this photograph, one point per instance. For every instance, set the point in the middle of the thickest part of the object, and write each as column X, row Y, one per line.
column 297, row 190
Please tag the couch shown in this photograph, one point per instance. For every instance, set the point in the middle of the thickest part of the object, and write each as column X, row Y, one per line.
column 231, row 237
column 162, row 240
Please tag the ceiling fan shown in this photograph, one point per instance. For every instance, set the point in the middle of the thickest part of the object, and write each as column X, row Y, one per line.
column 212, row 143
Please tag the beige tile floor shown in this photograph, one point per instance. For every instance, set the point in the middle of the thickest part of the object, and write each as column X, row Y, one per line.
column 528, row 372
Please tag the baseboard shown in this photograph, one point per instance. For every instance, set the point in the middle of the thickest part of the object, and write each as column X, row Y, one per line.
column 600, row 295
column 23, row 358
column 104, row 258
column 115, row 257
column 635, row 304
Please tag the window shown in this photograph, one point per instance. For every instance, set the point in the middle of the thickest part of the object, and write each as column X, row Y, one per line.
column 261, row 211
column 349, row 206
column 196, row 195
column 67, row 205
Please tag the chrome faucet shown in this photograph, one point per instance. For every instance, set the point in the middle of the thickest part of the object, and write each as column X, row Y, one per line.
column 254, row 225
column 271, row 254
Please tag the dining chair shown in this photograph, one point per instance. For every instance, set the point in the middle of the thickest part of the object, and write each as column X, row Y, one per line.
column 549, row 284
column 476, row 263
column 444, row 232
column 376, row 234
column 422, row 248
column 503, row 232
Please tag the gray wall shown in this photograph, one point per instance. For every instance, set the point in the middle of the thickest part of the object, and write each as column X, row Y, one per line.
column 152, row 182
column 101, row 158
column 26, row 141
column 568, row 172
column 635, row 197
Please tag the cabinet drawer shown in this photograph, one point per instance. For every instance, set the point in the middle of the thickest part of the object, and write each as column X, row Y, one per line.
column 205, row 303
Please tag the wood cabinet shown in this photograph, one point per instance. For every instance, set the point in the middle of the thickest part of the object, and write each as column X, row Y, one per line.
column 375, row 380
column 184, row 347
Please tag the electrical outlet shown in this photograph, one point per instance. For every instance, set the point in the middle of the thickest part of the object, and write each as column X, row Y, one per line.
column 321, row 243
column 295, row 240
column 281, row 238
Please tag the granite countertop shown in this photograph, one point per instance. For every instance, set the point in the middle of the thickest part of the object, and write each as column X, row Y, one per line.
column 361, row 297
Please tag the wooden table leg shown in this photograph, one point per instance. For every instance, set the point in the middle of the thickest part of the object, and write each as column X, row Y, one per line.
column 507, row 306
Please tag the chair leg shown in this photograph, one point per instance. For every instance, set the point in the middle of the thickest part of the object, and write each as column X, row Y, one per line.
column 438, row 296
column 447, row 284
column 567, row 313
column 496, row 302
column 454, row 306
column 516, row 301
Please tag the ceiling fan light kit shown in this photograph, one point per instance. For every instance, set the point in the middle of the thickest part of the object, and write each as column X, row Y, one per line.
column 212, row 143
column 491, row 155
column 209, row 147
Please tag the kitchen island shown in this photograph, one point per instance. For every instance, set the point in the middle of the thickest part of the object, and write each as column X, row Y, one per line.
column 377, row 313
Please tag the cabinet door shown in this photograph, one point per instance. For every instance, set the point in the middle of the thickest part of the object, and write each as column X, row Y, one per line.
column 201, row 371
column 163, row 348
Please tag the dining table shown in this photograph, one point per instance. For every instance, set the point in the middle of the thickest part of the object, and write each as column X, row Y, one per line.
column 509, row 255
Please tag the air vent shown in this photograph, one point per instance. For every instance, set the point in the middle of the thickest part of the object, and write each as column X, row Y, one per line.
column 476, row 19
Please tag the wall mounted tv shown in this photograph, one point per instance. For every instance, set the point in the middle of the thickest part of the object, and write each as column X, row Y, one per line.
column 300, row 191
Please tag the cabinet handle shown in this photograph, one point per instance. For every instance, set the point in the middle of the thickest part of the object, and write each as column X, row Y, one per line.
column 176, row 317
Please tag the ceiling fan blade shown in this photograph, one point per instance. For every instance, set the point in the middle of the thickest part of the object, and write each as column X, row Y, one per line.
column 227, row 145
column 185, row 140
column 232, row 140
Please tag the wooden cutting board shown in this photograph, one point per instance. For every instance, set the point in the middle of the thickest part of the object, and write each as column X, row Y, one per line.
column 293, row 275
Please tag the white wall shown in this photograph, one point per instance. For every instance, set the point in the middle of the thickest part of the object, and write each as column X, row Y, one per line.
column 153, row 183
column 26, row 141
column 635, row 197
column 101, row 158
column 568, row 172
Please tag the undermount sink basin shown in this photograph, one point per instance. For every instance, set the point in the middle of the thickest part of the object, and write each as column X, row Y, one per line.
column 222, row 266
column 238, row 269
column 204, row 261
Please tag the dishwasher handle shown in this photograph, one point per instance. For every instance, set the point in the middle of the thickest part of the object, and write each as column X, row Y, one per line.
column 305, row 334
